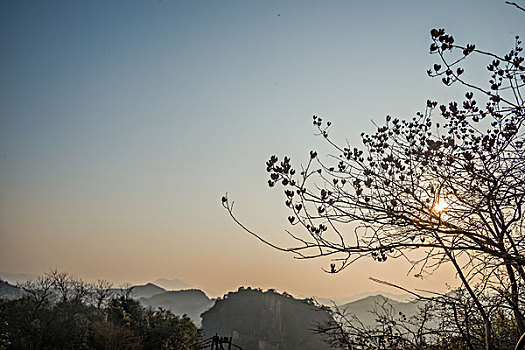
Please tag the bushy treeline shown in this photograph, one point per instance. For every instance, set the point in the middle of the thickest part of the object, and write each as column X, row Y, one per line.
column 60, row 312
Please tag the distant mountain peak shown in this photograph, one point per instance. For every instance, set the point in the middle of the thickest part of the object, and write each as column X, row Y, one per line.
column 147, row 290
column 149, row 284
column 374, row 297
column 364, row 308
column 172, row 284
column 191, row 302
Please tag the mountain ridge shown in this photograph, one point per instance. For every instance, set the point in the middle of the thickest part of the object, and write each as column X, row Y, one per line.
column 194, row 302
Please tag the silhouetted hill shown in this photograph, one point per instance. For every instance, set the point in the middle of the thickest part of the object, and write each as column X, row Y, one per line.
column 8, row 291
column 342, row 300
column 266, row 320
column 146, row 291
column 191, row 302
column 363, row 308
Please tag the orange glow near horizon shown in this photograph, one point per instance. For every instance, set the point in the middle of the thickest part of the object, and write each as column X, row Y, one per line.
column 118, row 140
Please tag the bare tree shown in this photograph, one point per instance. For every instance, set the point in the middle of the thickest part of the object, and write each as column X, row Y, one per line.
column 392, row 329
column 102, row 293
column 446, row 186
column 443, row 321
column 40, row 289
column 63, row 284
column 126, row 291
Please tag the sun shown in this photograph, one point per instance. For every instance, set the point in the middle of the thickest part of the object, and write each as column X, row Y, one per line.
column 440, row 206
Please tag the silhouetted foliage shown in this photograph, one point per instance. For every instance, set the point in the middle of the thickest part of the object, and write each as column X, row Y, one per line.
column 60, row 312
column 445, row 186
column 447, row 321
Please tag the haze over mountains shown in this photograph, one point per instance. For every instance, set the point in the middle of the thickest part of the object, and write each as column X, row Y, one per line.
column 341, row 300
column 177, row 284
column 194, row 302
column 363, row 308
column 255, row 319
column 15, row 278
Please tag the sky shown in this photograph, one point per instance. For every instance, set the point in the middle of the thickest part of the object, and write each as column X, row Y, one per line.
column 124, row 122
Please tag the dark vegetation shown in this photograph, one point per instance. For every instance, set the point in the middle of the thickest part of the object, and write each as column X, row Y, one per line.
column 446, row 186
column 59, row 312
column 267, row 320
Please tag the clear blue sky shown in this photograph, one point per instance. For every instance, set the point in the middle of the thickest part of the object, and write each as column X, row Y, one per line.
column 123, row 122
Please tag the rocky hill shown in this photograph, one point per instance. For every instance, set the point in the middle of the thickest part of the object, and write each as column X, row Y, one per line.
column 266, row 320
